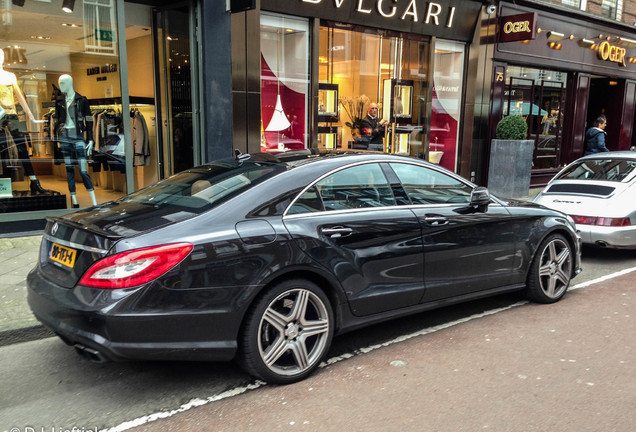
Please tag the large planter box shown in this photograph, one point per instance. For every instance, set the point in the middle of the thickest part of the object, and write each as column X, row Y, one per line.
column 510, row 166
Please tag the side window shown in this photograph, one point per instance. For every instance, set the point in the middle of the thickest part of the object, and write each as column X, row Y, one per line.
column 308, row 202
column 428, row 186
column 356, row 187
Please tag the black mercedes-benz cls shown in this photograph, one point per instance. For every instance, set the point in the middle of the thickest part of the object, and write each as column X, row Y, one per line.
column 264, row 259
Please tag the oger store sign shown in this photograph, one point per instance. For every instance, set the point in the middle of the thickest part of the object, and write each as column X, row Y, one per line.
column 611, row 53
column 520, row 27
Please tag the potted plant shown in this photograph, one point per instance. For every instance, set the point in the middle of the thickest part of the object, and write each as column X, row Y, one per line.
column 510, row 159
column 512, row 127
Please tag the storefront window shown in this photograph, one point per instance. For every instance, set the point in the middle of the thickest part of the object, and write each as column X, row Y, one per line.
column 284, row 82
column 539, row 96
column 446, row 110
column 380, row 75
column 58, row 72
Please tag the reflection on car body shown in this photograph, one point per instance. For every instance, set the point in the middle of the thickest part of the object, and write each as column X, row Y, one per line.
column 265, row 259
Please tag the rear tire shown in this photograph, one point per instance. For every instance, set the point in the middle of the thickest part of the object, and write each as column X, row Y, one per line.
column 551, row 271
column 287, row 332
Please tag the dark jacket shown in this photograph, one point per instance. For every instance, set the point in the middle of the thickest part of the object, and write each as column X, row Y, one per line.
column 370, row 127
column 595, row 141
column 83, row 115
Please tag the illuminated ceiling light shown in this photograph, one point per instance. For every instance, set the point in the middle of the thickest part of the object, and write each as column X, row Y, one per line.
column 555, row 45
column 585, row 43
column 554, row 36
column 613, row 83
column 68, row 5
column 626, row 42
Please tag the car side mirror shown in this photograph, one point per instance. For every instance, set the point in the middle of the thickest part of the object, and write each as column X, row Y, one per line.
column 479, row 200
column 479, row 197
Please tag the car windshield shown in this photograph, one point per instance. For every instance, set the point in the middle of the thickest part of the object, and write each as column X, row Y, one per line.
column 615, row 170
column 206, row 186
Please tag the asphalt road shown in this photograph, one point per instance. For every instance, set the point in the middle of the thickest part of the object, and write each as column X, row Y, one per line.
column 46, row 385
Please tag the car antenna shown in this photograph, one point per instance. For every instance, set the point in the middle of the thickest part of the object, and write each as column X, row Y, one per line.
column 240, row 157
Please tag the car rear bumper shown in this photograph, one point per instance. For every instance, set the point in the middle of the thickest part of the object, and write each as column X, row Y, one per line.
column 91, row 326
column 611, row 237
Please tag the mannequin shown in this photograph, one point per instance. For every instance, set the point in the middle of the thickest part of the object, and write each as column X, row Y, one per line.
column 75, row 132
column 9, row 92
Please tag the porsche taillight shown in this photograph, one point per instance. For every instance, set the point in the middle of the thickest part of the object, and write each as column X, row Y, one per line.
column 136, row 267
column 602, row 221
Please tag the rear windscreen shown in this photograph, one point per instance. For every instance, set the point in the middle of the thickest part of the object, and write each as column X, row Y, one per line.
column 600, row 169
column 203, row 187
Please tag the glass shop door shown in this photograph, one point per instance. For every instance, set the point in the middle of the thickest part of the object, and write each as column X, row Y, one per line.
column 178, row 86
column 548, row 124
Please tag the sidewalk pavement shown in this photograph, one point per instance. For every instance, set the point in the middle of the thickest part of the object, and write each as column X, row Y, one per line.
column 18, row 255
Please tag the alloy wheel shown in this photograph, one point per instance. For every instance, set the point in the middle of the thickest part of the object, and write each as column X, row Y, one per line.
column 555, row 268
column 294, row 332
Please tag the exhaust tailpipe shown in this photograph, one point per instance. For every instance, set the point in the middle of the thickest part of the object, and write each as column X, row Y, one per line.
column 90, row 354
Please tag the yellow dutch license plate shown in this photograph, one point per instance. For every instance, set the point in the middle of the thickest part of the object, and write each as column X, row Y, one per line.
column 63, row 255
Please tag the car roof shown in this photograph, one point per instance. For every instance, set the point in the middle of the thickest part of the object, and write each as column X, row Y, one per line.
column 299, row 158
column 625, row 154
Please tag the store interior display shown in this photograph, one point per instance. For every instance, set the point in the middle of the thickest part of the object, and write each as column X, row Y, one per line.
column 327, row 102
column 75, row 135
column 13, row 141
column 49, row 163
column 397, row 100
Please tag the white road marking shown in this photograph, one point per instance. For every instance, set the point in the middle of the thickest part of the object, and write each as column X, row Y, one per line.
column 257, row 384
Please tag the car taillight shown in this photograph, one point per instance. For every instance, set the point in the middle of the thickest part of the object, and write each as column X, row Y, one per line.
column 615, row 222
column 601, row 221
column 584, row 220
column 136, row 267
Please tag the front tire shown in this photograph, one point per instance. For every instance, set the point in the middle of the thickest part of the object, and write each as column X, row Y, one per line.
column 551, row 271
column 287, row 332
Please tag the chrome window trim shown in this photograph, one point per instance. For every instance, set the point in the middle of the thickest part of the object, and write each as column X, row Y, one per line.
column 74, row 245
column 378, row 162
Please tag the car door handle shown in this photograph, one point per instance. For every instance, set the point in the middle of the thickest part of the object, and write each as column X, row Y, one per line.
column 336, row 231
column 436, row 220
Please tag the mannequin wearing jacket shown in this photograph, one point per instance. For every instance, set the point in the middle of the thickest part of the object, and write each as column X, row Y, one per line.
column 9, row 132
column 75, row 133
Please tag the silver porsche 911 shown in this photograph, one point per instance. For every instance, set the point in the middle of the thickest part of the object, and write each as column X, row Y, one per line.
column 599, row 192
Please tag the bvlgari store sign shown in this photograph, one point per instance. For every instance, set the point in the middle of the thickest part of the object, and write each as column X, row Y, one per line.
column 449, row 19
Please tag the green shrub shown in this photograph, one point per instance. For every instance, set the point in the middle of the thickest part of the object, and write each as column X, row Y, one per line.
column 512, row 127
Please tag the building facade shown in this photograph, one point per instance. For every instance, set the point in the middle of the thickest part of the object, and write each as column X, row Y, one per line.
column 170, row 85
column 560, row 68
